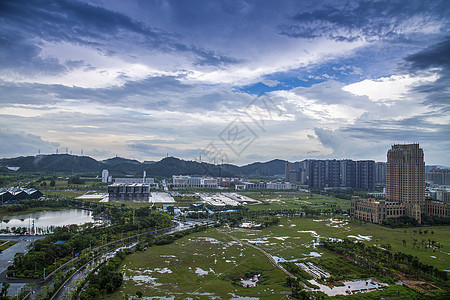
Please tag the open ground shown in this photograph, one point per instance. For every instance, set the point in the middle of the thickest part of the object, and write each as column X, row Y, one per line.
column 210, row 263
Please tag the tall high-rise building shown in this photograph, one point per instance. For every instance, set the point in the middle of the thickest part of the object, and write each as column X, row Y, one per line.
column 380, row 173
column 291, row 173
column 105, row 175
column 316, row 174
column 405, row 178
column 439, row 176
column 333, row 173
column 348, row 173
column 365, row 170
column 303, row 168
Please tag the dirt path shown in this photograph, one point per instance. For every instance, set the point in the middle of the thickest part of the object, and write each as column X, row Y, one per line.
column 272, row 261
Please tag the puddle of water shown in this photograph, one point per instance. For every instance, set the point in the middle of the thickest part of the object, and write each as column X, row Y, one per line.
column 280, row 259
column 257, row 241
column 237, row 297
column 281, row 238
column 349, row 287
column 163, row 270
column 201, row 272
column 312, row 232
column 313, row 254
column 250, row 282
column 208, row 239
column 361, row 237
column 145, row 279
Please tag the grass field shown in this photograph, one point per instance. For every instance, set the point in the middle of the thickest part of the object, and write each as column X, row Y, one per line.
column 171, row 269
column 295, row 200
column 63, row 193
column 200, row 265
column 299, row 233
column 6, row 244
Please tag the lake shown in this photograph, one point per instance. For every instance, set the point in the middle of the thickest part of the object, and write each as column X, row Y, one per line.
column 45, row 220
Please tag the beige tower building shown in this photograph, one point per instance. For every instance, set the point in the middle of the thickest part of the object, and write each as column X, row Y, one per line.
column 405, row 178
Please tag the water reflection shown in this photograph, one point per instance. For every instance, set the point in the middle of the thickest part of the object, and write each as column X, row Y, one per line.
column 45, row 221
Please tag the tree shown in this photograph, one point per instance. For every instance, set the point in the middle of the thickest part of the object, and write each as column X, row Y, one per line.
column 52, row 182
column 5, row 287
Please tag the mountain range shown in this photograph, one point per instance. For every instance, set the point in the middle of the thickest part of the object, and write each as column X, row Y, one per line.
column 118, row 166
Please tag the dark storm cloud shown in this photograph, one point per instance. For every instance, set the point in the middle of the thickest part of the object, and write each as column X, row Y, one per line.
column 153, row 93
column 25, row 24
column 436, row 58
column 19, row 143
column 366, row 20
column 370, row 139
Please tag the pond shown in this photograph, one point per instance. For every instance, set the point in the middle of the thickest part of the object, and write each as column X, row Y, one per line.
column 45, row 221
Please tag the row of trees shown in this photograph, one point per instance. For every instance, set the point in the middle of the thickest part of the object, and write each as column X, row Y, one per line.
column 73, row 239
column 383, row 261
column 106, row 278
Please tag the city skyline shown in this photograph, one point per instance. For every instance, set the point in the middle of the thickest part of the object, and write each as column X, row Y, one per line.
column 147, row 79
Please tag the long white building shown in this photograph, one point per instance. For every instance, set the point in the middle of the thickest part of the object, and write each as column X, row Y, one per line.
column 190, row 181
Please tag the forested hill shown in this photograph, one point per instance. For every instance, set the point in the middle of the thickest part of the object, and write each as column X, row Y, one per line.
column 117, row 166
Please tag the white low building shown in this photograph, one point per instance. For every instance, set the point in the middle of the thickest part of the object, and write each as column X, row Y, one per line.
column 190, row 181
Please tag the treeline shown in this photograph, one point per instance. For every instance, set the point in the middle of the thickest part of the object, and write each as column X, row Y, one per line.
column 383, row 261
column 400, row 222
column 346, row 194
column 22, row 205
column 69, row 241
column 105, row 279
column 407, row 221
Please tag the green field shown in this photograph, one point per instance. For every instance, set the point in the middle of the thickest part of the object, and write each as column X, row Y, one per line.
column 297, row 230
column 170, row 269
column 6, row 244
column 199, row 265
column 295, row 200
column 63, row 193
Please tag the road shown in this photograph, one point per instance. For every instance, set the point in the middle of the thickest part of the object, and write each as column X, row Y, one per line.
column 7, row 259
column 84, row 270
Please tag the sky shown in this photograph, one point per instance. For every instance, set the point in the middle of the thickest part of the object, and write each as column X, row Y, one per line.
column 232, row 81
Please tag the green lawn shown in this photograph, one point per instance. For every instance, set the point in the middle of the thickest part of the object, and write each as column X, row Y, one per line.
column 201, row 264
column 170, row 269
column 63, row 193
column 6, row 244
column 300, row 232
column 295, row 200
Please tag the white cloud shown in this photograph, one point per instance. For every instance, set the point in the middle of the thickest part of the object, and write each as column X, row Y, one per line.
column 270, row 83
column 388, row 89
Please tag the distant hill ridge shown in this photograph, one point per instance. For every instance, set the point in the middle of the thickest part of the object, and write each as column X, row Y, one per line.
column 118, row 166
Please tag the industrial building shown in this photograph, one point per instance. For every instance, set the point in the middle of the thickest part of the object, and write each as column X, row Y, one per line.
column 15, row 193
column 134, row 192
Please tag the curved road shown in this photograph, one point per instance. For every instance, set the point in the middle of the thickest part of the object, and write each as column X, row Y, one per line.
column 66, row 287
